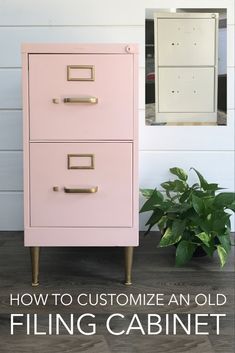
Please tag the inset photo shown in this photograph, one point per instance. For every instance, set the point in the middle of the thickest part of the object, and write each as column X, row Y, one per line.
column 186, row 66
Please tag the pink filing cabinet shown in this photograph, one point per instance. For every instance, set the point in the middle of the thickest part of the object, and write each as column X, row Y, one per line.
column 80, row 147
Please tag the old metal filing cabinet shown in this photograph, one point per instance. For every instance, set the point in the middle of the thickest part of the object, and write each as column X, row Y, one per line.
column 80, row 147
column 186, row 65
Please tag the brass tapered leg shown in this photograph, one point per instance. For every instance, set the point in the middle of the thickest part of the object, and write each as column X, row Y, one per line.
column 128, row 264
column 35, row 255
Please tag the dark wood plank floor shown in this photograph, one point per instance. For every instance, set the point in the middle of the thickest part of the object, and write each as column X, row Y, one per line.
column 100, row 270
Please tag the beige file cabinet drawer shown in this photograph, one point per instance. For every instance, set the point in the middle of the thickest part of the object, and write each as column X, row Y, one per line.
column 186, row 89
column 185, row 42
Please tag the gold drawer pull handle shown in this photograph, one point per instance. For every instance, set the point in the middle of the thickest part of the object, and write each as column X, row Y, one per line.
column 56, row 101
column 90, row 190
column 88, row 100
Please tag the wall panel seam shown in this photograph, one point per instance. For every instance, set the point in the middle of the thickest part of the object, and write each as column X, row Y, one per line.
column 188, row 151
column 10, row 150
column 11, row 191
column 10, row 109
column 73, row 25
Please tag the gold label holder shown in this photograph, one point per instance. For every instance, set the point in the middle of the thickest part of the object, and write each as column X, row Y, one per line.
column 72, row 68
column 84, row 166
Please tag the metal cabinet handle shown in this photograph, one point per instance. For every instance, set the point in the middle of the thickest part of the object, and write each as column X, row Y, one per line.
column 88, row 100
column 90, row 190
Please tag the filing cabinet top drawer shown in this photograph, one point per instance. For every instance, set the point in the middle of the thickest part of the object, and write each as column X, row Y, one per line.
column 81, row 96
column 186, row 41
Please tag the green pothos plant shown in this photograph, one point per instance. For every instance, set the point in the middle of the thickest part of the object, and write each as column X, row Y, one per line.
column 191, row 216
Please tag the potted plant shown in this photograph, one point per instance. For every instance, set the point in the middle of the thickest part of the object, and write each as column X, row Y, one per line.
column 191, row 216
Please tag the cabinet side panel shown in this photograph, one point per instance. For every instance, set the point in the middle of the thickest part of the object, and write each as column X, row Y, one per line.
column 25, row 89
column 136, row 151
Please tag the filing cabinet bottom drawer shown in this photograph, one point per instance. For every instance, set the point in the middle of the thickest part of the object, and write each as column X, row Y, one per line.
column 186, row 90
column 81, row 184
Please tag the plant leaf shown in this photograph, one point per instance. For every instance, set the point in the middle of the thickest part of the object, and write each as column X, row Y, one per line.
column 208, row 202
column 220, row 220
column 203, row 182
column 223, row 256
column 225, row 241
column 169, row 238
column 180, row 173
column 178, row 208
column 184, row 252
column 155, row 217
column 155, row 199
column 225, row 199
column 178, row 227
column 185, row 195
column 200, row 222
column 168, row 185
column 213, row 187
column 180, row 186
column 162, row 222
column 199, row 193
column 198, row 204
column 205, row 238
column 165, row 205
column 209, row 250
column 232, row 206
column 147, row 193
column 176, row 186
column 148, row 230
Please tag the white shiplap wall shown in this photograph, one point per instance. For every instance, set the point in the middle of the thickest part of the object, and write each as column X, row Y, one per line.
column 210, row 149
